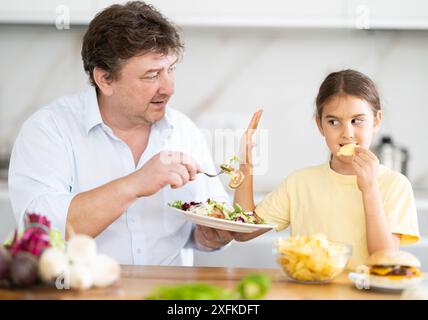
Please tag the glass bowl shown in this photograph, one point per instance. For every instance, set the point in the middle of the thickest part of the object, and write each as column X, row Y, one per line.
column 313, row 266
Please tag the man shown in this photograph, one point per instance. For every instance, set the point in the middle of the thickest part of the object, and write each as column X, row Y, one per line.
column 106, row 162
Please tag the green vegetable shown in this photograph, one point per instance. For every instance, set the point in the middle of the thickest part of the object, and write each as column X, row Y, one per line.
column 238, row 208
column 228, row 167
column 191, row 291
column 56, row 240
column 234, row 159
column 176, row 204
column 252, row 286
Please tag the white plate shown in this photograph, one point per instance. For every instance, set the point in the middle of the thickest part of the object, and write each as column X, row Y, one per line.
column 362, row 281
column 222, row 224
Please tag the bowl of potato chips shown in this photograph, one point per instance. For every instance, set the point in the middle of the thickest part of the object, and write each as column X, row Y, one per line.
column 312, row 258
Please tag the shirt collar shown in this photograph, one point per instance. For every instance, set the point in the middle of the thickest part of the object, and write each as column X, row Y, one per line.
column 166, row 122
column 93, row 114
column 92, row 110
column 341, row 178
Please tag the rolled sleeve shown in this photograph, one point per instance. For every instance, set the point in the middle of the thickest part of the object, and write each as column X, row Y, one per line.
column 401, row 211
column 55, row 206
column 40, row 178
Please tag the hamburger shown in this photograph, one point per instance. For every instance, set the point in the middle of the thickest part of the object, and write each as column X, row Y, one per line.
column 393, row 268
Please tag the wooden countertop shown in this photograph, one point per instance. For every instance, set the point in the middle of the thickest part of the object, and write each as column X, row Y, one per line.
column 138, row 281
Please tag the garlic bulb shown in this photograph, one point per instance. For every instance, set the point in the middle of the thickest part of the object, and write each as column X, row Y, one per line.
column 53, row 263
column 81, row 248
column 80, row 265
column 105, row 270
column 80, row 277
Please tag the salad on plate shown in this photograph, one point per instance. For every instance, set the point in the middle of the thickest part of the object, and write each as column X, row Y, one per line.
column 221, row 210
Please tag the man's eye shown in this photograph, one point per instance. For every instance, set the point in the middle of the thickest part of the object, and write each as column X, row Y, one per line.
column 172, row 68
column 357, row 121
column 151, row 76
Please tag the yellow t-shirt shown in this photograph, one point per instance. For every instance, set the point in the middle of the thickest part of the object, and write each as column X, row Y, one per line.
column 320, row 200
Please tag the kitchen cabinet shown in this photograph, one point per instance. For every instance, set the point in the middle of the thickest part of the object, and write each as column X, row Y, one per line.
column 137, row 282
column 375, row 14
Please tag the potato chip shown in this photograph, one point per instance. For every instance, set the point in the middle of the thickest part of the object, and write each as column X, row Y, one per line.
column 311, row 258
column 347, row 150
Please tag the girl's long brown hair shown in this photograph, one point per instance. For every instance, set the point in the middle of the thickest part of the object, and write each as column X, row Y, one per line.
column 347, row 82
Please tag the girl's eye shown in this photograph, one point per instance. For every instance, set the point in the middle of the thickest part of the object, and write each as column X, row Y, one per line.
column 333, row 122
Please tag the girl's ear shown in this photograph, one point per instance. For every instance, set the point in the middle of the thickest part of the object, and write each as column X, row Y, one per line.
column 378, row 120
column 318, row 120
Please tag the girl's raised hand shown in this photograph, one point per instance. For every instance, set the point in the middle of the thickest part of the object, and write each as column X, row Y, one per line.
column 247, row 143
column 366, row 165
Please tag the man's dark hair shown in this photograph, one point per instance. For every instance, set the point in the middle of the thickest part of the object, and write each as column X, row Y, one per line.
column 120, row 32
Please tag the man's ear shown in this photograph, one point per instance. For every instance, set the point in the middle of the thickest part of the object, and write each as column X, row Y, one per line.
column 378, row 120
column 318, row 120
column 103, row 82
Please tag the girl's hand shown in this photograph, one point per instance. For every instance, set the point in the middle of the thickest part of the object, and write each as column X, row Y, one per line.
column 247, row 144
column 365, row 164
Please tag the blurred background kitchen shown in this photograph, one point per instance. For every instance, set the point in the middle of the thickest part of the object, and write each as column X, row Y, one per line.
column 242, row 55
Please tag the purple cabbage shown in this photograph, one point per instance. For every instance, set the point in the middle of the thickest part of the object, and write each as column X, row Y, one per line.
column 35, row 238
column 186, row 206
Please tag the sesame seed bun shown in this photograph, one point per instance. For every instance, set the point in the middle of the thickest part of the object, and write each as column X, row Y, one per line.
column 393, row 258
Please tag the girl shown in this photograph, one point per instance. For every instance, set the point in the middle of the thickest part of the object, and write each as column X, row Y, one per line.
column 351, row 199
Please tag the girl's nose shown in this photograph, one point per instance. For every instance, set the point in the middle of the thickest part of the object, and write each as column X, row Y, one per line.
column 348, row 131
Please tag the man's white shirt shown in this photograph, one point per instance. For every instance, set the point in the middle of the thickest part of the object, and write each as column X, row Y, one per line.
column 65, row 148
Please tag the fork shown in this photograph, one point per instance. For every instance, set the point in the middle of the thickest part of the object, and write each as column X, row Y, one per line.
column 213, row 175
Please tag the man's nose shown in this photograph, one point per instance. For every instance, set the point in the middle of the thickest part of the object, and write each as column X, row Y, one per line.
column 166, row 86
